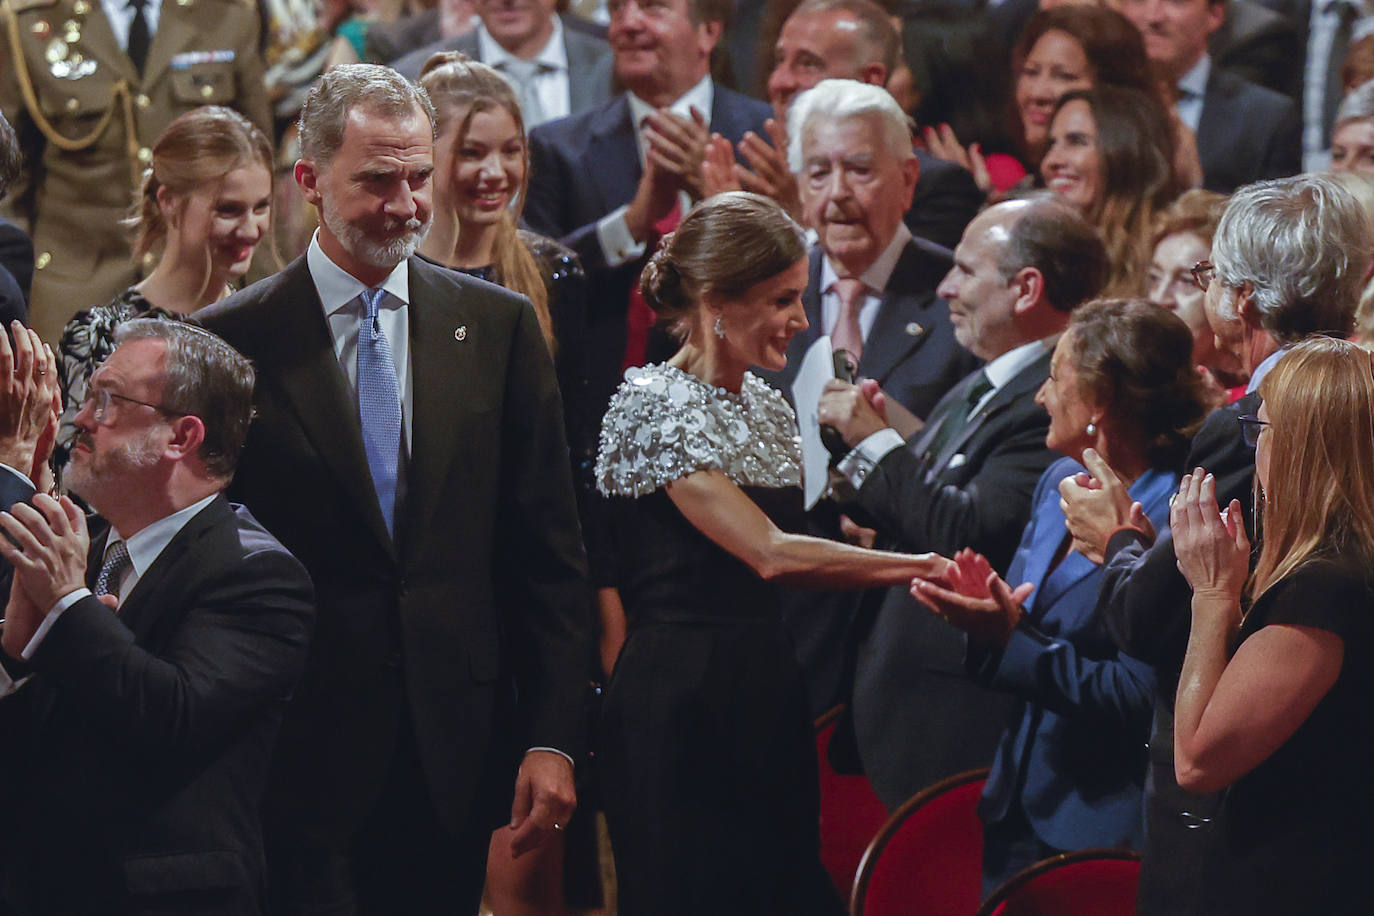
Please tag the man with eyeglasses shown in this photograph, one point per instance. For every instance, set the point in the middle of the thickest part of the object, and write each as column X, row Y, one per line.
column 1288, row 261
column 154, row 658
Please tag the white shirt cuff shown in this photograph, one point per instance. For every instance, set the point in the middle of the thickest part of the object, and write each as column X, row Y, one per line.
column 62, row 604
column 618, row 246
column 554, row 750
column 864, row 457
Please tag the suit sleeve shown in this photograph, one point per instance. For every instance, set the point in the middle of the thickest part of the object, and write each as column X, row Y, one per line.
column 1144, row 600
column 543, row 570
column 543, row 210
column 1050, row 671
column 906, row 502
column 240, row 649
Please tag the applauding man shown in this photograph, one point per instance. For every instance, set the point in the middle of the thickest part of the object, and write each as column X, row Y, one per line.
column 159, row 655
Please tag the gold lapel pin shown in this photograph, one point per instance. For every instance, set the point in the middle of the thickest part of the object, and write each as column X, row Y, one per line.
column 460, row 332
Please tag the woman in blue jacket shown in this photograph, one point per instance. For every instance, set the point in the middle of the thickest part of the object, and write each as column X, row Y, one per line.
column 1069, row 773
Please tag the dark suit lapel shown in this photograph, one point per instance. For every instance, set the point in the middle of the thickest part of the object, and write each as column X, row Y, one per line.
column 440, row 372
column 729, row 119
column 582, row 78
column 141, row 607
column 1215, row 125
column 311, row 382
column 1023, row 383
column 612, row 160
column 902, row 323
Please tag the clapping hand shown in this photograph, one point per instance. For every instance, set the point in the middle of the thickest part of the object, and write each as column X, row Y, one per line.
column 28, row 391
column 46, row 544
column 678, row 145
column 943, row 144
column 1097, row 506
column 972, row 597
column 1212, row 548
column 769, row 173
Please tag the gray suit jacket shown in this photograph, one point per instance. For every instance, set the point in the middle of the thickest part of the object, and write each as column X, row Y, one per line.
column 589, row 65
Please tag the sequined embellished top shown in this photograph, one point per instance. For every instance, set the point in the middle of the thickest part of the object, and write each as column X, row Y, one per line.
column 664, row 424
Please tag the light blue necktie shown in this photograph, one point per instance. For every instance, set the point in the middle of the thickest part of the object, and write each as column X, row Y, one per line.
column 379, row 406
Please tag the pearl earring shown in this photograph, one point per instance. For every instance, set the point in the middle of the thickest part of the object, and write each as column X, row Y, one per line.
column 719, row 328
column 1091, row 429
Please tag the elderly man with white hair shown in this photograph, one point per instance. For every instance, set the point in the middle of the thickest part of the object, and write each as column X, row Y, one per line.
column 871, row 289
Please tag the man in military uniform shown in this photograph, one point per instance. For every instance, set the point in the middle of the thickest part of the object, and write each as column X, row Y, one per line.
column 89, row 85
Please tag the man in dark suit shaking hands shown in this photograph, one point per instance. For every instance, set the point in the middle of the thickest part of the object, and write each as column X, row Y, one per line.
column 409, row 448
column 154, row 660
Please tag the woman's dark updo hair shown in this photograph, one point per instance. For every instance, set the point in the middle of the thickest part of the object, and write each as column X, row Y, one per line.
column 724, row 245
column 1137, row 359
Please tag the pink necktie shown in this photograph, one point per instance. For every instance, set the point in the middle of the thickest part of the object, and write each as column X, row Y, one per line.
column 847, row 334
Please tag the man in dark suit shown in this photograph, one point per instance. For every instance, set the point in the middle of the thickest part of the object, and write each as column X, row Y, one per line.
column 965, row 480
column 1244, row 132
column 409, row 448
column 852, row 39
column 872, row 291
column 1273, row 285
column 557, row 71
column 158, row 656
column 609, row 181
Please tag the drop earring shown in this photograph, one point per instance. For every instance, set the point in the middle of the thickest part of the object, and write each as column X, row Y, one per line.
column 718, row 328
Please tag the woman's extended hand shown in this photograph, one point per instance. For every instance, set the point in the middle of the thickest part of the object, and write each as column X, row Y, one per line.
column 1213, row 551
column 972, row 597
column 943, row 144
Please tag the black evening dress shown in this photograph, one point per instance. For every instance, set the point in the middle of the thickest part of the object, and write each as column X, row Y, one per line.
column 707, row 756
column 1296, row 830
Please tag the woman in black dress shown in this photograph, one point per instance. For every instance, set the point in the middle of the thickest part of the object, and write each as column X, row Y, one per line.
column 1283, row 721
column 708, row 762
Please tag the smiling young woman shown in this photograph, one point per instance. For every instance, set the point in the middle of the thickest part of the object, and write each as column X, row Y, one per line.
column 205, row 205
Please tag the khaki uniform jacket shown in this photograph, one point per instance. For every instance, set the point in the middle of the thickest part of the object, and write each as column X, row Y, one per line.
column 87, row 96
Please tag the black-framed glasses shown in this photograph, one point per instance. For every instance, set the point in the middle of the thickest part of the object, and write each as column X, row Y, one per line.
column 1203, row 274
column 99, row 399
column 1250, row 427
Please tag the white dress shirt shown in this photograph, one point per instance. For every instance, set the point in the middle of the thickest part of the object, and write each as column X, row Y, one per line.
column 618, row 246
column 876, row 278
column 339, row 291
column 121, row 16
column 552, row 83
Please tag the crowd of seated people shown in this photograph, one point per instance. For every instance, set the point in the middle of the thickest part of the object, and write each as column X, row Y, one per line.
column 407, row 409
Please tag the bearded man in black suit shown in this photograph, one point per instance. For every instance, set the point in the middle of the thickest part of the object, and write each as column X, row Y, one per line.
column 409, row 448
column 150, row 663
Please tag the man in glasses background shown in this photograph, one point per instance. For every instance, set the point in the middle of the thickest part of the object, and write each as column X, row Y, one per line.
column 1288, row 261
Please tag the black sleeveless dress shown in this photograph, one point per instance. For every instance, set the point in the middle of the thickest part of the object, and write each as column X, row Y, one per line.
column 707, row 755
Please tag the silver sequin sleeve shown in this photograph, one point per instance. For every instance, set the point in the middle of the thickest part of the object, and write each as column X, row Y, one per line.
column 663, row 424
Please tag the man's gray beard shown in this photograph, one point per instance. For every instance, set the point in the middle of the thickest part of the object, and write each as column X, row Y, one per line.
column 385, row 255
column 84, row 479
